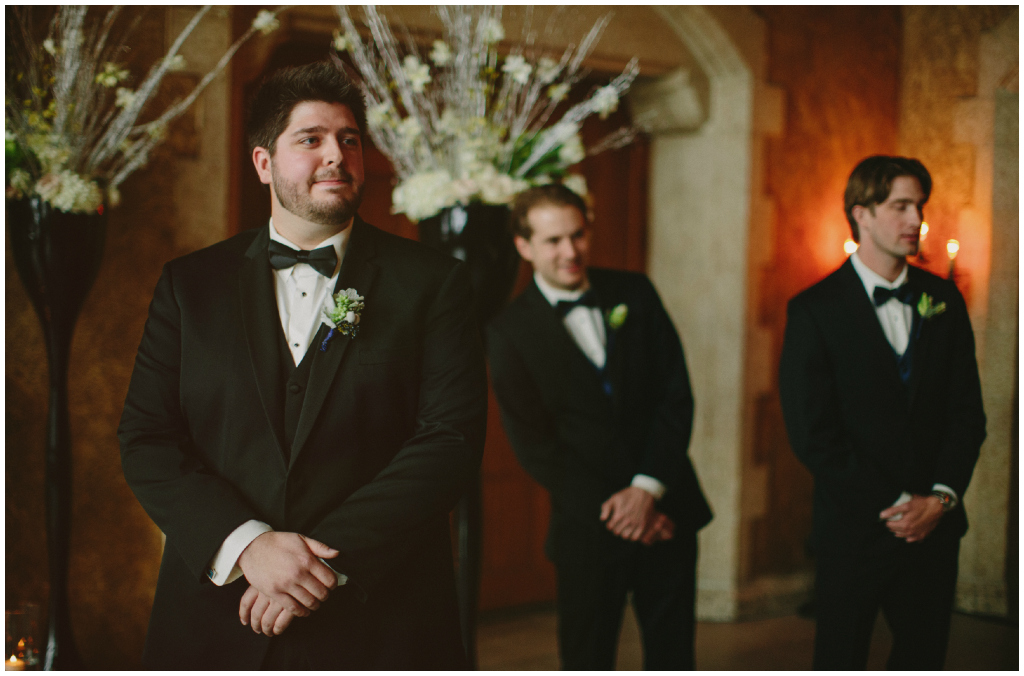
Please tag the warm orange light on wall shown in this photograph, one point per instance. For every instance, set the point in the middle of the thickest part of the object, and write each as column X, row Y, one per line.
column 849, row 246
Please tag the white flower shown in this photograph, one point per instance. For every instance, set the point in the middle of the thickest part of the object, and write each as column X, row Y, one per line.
column 67, row 191
column 409, row 130
column 449, row 123
column 558, row 92
column 493, row 31
column 52, row 153
column 50, row 48
column 111, row 75
column 176, row 63
column 124, row 97
column 498, row 188
column 378, row 115
column 157, row 130
column 423, row 194
column 547, row 70
column 605, row 101
column 576, row 183
column 341, row 312
column 20, row 180
column 265, row 22
column 416, row 72
column 341, row 42
column 113, row 197
column 440, row 54
column 517, row 69
column 562, row 132
column 572, row 150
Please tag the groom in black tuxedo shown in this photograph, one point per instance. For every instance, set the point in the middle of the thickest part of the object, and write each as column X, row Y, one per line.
column 882, row 402
column 595, row 397
column 318, row 464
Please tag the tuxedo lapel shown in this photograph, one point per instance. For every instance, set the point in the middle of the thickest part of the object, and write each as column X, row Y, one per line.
column 609, row 297
column 921, row 337
column 357, row 272
column 262, row 325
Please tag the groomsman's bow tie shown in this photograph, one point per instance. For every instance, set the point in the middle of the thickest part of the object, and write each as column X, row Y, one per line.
column 564, row 307
column 323, row 260
column 903, row 294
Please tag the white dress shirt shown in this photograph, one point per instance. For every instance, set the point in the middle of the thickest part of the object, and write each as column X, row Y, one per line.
column 897, row 319
column 586, row 327
column 301, row 294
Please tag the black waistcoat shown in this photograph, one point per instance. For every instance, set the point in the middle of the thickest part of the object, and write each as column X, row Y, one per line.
column 294, row 380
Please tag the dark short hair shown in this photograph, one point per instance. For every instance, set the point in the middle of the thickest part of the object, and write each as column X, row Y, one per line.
column 553, row 193
column 284, row 89
column 871, row 182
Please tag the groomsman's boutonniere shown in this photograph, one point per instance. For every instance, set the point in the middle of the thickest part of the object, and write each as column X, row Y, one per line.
column 617, row 316
column 342, row 313
column 927, row 309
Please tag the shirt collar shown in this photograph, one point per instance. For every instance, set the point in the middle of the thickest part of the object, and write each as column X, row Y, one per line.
column 870, row 279
column 339, row 241
column 553, row 295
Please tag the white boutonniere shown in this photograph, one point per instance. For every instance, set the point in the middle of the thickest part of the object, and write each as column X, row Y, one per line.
column 617, row 316
column 342, row 313
column 928, row 309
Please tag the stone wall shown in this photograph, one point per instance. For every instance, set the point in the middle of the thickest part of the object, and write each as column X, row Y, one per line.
column 960, row 68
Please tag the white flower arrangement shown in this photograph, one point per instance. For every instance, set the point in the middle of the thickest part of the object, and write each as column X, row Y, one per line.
column 466, row 124
column 72, row 131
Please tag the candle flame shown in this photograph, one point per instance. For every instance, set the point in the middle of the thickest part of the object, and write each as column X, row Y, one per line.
column 952, row 247
column 849, row 246
column 924, row 231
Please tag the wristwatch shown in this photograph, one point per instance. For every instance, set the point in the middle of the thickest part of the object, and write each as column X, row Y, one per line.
column 947, row 501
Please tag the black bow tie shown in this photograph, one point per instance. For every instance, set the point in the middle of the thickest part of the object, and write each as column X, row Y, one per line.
column 323, row 260
column 903, row 294
column 564, row 307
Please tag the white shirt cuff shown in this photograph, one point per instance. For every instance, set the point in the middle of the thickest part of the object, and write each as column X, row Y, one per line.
column 943, row 488
column 224, row 567
column 649, row 484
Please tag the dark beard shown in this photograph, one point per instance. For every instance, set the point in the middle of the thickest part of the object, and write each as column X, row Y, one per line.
column 316, row 212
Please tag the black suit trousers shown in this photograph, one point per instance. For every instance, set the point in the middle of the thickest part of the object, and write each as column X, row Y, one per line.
column 592, row 595
column 913, row 584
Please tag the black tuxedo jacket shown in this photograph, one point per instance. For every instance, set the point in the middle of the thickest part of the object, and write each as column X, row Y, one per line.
column 580, row 443
column 866, row 436
column 390, row 432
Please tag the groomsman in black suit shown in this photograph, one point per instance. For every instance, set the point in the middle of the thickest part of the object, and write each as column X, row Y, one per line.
column 318, row 462
column 595, row 398
column 882, row 402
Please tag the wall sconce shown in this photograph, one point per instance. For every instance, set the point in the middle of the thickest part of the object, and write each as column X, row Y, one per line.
column 921, row 237
column 849, row 246
column 952, row 248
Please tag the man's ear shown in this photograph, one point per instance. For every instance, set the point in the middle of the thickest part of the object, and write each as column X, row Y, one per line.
column 261, row 160
column 858, row 212
column 524, row 249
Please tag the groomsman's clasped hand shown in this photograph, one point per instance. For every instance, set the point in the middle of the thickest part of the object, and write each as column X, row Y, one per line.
column 630, row 514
